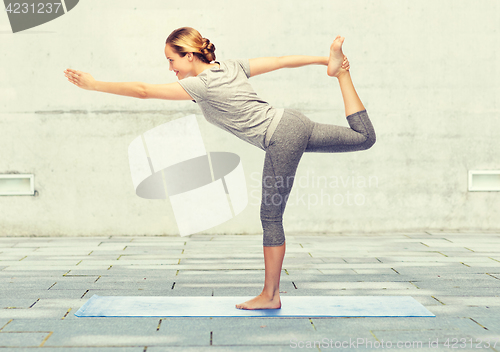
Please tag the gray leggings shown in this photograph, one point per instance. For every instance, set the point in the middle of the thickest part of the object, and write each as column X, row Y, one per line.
column 294, row 135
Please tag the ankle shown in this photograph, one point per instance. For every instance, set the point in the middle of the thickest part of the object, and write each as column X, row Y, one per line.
column 343, row 74
column 270, row 293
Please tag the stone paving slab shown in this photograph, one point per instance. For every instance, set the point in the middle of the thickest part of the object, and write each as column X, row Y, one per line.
column 56, row 245
column 403, row 323
column 117, row 262
column 87, row 349
column 490, row 323
column 213, row 348
column 49, row 294
column 150, row 256
column 29, row 314
column 11, row 257
column 457, row 284
column 34, row 263
column 424, row 337
column 23, row 339
column 36, row 268
column 29, row 273
column 77, row 257
column 490, row 301
column 119, row 332
column 441, row 269
column 16, row 303
column 261, row 331
column 72, row 250
column 167, row 252
column 355, row 285
column 82, row 272
column 490, row 266
column 20, row 284
column 117, row 274
column 463, row 311
column 117, row 286
column 459, row 258
column 484, row 292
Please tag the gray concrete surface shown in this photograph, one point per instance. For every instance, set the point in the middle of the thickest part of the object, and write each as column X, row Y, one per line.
column 427, row 71
column 45, row 280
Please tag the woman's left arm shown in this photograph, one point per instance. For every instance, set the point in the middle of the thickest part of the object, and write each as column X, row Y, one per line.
column 168, row 91
column 267, row 64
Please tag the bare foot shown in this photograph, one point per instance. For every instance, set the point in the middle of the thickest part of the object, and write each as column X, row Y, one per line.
column 337, row 62
column 262, row 301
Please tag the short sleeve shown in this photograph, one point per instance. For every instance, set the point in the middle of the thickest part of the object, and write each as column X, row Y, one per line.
column 245, row 65
column 195, row 87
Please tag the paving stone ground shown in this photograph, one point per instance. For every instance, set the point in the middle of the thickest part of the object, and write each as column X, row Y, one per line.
column 45, row 280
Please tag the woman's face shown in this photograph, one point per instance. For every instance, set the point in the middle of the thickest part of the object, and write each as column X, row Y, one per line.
column 182, row 66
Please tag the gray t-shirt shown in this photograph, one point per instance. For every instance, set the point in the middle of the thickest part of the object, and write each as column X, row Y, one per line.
column 228, row 101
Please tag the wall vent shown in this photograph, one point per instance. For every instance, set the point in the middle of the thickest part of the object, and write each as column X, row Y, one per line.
column 484, row 180
column 17, row 185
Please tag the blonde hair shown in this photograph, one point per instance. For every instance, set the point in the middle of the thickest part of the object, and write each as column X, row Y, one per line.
column 188, row 40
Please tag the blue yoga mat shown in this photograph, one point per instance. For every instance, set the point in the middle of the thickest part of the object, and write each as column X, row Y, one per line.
column 291, row 306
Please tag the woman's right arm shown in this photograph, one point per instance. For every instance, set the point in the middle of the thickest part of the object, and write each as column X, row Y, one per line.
column 169, row 91
column 267, row 64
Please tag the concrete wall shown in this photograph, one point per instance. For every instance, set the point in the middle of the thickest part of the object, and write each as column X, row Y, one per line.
column 427, row 71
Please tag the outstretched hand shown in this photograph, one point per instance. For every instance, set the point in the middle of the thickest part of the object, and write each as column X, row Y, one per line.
column 80, row 79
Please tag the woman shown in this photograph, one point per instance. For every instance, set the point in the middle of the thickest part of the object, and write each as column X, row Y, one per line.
column 227, row 100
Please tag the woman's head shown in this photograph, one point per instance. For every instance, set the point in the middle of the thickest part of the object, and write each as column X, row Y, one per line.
column 188, row 40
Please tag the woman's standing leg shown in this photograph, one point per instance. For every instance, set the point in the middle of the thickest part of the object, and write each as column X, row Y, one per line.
column 281, row 161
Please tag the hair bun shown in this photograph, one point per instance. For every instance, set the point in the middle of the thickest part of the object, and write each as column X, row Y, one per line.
column 207, row 45
column 208, row 49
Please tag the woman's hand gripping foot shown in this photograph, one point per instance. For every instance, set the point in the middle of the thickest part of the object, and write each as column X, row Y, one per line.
column 337, row 62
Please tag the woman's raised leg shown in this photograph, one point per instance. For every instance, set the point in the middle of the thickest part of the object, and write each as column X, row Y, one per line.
column 338, row 66
column 328, row 138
